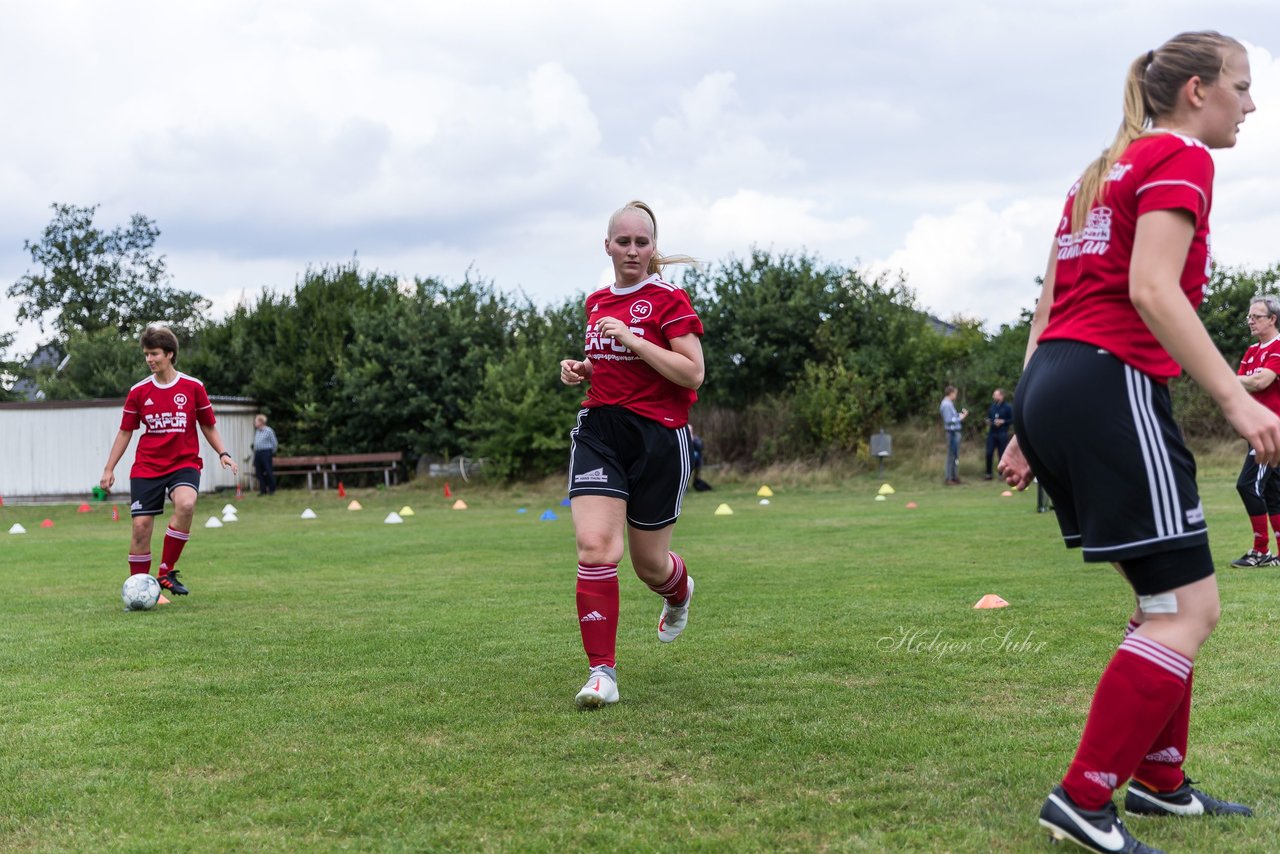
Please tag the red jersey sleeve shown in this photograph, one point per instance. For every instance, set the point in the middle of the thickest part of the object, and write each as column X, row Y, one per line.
column 204, row 409
column 1183, row 180
column 131, row 418
column 680, row 317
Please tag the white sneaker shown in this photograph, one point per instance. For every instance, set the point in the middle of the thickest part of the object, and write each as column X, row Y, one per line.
column 601, row 689
column 674, row 617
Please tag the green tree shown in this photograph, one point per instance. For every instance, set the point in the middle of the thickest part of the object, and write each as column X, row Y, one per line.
column 97, row 279
column 97, row 364
column 9, row 368
column 520, row 419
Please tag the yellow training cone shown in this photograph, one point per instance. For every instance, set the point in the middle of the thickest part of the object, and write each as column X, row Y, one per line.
column 459, row 505
column 355, row 505
column 764, row 492
column 991, row 600
column 723, row 510
column 886, row 489
column 406, row 510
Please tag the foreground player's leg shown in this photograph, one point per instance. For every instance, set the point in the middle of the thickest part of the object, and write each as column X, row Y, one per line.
column 598, row 522
column 664, row 572
column 175, row 539
column 140, row 545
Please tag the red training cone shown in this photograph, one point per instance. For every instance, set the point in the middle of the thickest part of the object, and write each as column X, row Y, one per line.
column 115, row 512
column 84, row 508
column 342, row 490
column 1, row 500
column 239, row 491
column 447, row 493
column 47, row 523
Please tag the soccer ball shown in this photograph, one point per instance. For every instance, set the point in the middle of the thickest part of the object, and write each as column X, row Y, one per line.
column 140, row 592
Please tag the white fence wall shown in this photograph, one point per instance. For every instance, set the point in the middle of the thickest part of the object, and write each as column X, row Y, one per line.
column 58, row 448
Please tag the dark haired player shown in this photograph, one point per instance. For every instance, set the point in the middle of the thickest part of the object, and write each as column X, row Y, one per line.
column 167, row 462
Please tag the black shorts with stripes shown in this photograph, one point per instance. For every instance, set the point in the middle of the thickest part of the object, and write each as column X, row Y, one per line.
column 1101, row 439
column 619, row 454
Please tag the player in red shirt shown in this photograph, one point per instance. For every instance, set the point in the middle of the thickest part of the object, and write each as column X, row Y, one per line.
column 1115, row 320
column 167, row 462
column 629, row 458
column 1259, row 485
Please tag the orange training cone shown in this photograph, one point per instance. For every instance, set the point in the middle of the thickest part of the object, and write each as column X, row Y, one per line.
column 991, row 600
column 162, row 600
column 239, row 491
column 447, row 493
column 342, row 490
column 115, row 512
column 84, row 508
column 47, row 523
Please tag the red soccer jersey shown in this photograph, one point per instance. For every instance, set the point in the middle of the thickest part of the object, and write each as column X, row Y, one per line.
column 656, row 311
column 1260, row 356
column 170, row 414
column 1160, row 171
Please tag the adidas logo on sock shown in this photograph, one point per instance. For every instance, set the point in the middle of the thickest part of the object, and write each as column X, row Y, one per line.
column 1105, row 779
column 1169, row 755
column 593, row 617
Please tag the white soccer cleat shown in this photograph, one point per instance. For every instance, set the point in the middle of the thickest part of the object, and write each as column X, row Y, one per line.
column 601, row 689
column 674, row 617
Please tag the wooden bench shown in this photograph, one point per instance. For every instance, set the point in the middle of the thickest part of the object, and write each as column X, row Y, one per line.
column 337, row 464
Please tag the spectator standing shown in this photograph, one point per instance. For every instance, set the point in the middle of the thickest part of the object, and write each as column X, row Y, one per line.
column 264, row 454
column 999, row 419
column 952, row 421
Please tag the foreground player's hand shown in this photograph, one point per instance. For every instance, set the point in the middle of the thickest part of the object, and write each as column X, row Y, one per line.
column 228, row 463
column 108, row 480
column 1260, row 427
column 573, row 372
column 1013, row 466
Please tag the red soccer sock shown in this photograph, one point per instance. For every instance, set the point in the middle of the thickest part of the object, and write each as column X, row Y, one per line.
column 1275, row 526
column 174, row 540
column 1161, row 768
column 1260, row 538
column 598, row 612
column 139, row 564
column 676, row 588
column 1138, row 694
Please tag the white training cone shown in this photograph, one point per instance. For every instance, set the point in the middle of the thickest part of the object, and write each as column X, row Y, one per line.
column 393, row 518
column 881, row 498
column 308, row 514
column 17, row 529
column 230, row 517
column 355, row 505
column 228, row 508
column 764, row 501
column 213, row 522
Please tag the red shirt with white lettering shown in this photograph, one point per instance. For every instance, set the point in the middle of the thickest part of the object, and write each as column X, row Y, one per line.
column 656, row 311
column 170, row 414
column 1260, row 356
column 1160, row 171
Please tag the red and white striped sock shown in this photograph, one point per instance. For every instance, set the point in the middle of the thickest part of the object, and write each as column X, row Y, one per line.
column 597, row 597
column 676, row 588
column 1137, row 696
column 1161, row 768
column 139, row 564
column 174, row 540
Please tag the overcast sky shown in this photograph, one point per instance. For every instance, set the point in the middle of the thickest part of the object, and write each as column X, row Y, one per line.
column 429, row 138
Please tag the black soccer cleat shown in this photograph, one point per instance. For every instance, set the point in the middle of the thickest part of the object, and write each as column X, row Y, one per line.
column 169, row 581
column 1093, row 830
column 1185, row 800
column 1256, row 558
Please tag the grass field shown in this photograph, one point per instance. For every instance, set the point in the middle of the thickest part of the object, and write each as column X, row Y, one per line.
column 342, row 684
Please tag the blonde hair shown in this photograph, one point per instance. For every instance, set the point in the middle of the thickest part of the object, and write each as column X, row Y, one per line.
column 658, row 261
column 1151, row 92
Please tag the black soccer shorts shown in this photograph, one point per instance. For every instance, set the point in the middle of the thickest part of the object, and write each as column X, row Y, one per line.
column 147, row 494
column 616, row 453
